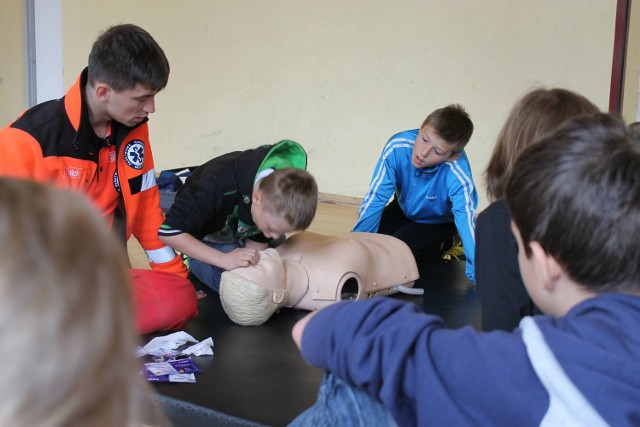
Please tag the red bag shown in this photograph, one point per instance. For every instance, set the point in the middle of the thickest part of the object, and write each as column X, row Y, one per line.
column 162, row 301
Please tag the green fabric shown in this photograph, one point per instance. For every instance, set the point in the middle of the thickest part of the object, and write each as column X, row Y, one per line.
column 285, row 154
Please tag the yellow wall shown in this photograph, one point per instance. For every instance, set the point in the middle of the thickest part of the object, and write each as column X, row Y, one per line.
column 342, row 76
column 631, row 91
column 12, row 71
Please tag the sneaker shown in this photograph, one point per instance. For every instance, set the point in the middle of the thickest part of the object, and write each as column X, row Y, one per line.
column 456, row 251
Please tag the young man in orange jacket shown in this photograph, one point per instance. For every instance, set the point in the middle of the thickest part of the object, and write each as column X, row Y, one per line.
column 95, row 140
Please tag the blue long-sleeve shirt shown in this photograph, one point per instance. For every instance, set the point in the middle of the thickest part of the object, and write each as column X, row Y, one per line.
column 444, row 193
column 584, row 366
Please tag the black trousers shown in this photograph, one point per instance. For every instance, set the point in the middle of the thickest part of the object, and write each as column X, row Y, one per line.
column 423, row 239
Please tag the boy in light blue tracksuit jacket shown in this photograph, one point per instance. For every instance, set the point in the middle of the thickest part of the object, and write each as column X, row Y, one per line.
column 428, row 172
column 574, row 198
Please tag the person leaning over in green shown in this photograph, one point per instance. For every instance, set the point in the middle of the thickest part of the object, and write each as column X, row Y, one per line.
column 236, row 204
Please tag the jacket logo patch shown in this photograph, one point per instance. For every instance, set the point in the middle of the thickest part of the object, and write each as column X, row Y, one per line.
column 134, row 154
column 72, row 173
column 431, row 197
column 116, row 182
column 112, row 156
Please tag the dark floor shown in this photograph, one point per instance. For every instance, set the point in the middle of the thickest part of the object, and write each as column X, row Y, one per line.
column 257, row 376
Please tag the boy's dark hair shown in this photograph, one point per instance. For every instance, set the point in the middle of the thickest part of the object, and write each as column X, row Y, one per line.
column 291, row 194
column 577, row 193
column 126, row 55
column 451, row 123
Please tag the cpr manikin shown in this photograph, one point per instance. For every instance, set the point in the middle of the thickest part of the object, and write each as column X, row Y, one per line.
column 310, row 271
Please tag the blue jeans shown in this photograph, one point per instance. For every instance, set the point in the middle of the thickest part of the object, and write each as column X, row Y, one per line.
column 210, row 274
column 340, row 404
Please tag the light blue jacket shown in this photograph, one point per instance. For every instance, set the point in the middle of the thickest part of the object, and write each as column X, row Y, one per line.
column 444, row 193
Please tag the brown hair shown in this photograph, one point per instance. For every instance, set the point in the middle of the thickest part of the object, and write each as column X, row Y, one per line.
column 291, row 194
column 451, row 123
column 65, row 313
column 537, row 114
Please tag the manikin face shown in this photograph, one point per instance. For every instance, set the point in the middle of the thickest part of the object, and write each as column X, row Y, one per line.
column 268, row 271
column 430, row 150
column 130, row 106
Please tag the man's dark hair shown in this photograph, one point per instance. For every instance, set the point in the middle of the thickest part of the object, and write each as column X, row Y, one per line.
column 126, row 55
column 577, row 193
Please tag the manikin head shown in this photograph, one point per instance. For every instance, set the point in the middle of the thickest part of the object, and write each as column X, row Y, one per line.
column 310, row 271
column 247, row 297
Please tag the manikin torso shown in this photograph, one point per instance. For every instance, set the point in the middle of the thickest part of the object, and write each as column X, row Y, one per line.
column 317, row 270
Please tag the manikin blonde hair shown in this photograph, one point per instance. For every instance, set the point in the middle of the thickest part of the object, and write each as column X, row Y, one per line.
column 66, row 316
column 246, row 302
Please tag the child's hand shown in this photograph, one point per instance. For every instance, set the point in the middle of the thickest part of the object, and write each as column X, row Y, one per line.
column 241, row 257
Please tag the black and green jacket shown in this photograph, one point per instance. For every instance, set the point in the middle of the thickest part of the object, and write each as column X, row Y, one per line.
column 215, row 201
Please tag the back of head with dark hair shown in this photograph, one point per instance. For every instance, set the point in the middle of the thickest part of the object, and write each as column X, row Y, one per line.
column 535, row 115
column 453, row 124
column 291, row 194
column 126, row 55
column 577, row 193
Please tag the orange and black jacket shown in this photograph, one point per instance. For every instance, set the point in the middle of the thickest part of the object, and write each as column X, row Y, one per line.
column 54, row 142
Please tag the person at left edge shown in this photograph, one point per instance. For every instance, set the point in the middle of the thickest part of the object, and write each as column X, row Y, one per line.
column 95, row 140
